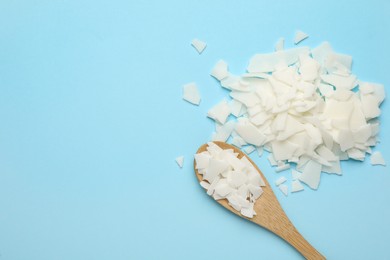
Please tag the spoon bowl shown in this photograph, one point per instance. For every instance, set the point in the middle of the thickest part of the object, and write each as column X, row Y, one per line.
column 270, row 214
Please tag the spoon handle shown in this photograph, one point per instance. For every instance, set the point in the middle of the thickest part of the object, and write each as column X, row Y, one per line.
column 291, row 235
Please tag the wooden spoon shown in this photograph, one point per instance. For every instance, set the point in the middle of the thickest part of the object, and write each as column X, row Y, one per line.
column 270, row 214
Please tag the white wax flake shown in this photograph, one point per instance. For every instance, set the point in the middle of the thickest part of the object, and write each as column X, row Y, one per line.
column 300, row 36
column 326, row 153
column 202, row 160
column 238, row 141
column 283, row 150
column 272, row 160
column 284, row 189
column 321, row 52
column 198, row 45
column 334, row 167
column 345, row 138
column 311, row 174
column 283, row 167
column 223, row 190
column 356, row 154
column 377, row 159
column 249, row 133
column 220, row 70
column 296, row 186
column 280, row 180
column 295, row 174
column 220, row 112
column 191, row 93
column 309, row 68
column 224, row 131
column 237, row 178
column 268, row 62
column 249, row 149
column 225, row 176
column 260, row 151
column 340, row 81
column 248, row 212
column 205, row 184
column 279, row 46
column 362, row 133
column 255, row 190
column 304, row 106
column 334, row 61
column 180, row 160
column 248, row 99
column 215, row 167
column 235, row 107
column 325, row 89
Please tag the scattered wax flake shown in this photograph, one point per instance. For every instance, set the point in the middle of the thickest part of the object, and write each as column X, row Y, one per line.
column 255, row 179
column 362, row 134
column 249, row 132
column 283, row 167
column 345, row 140
column 191, row 93
column 279, row 46
column 326, row 153
column 303, row 160
column 223, row 190
column 260, row 151
column 205, row 184
column 311, row 174
column 248, row 211
column 340, row 81
column 303, row 106
column 300, row 36
column 212, row 186
column 248, row 99
column 283, row 150
column 356, row 154
column 228, row 177
column 284, row 189
column 224, row 131
column 220, row 112
column 198, row 45
column 366, row 88
column 325, row 89
column 335, row 62
column 233, row 201
column 272, row 160
column 238, row 141
column 235, row 107
column 296, row 186
column 243, row 191
column 216, row 196
column 377, row 159
column 249, row 149
column 202, row 160
column 255, row 190
column 268, row 62
column 295, row 174
column 180, row 160
column 215, row 167
column 213, row 149
column 235, row 163
column 280, row 180
column 309, row 68
column 335, row 168
column 220, row 70
column 322, row 52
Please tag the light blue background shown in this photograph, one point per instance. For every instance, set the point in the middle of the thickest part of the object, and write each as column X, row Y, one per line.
column 91, row 120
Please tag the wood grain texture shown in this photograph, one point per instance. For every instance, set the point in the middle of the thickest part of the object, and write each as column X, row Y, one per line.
column 270, row 214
